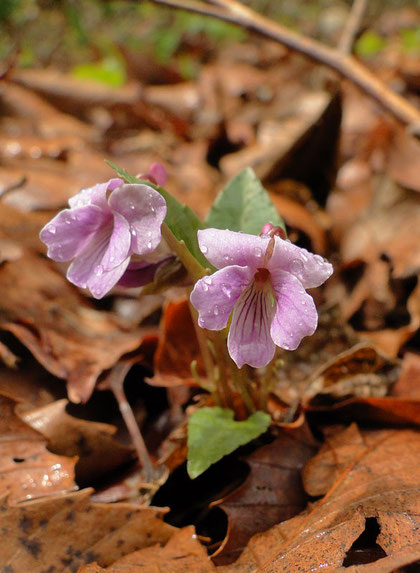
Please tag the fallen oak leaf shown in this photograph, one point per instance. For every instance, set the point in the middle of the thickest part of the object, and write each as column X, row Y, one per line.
column 62, row 533
column 373, row 474
column 27, row 469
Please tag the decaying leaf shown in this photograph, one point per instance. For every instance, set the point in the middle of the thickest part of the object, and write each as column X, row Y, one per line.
column 182, row 553
column 93, row 443
column 62, row 533
column 177, row 347
column 27, row 469
column 69, row 338
column 361, row 371
column 364, row 475
column 273, row 491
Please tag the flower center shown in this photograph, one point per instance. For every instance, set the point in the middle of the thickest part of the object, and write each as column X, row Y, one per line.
column 261, row 277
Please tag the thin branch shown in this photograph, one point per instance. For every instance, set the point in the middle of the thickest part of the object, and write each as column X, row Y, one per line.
column 344, row 64
column 352, row 27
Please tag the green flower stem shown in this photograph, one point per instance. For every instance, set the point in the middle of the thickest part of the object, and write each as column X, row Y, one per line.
column 195, row 270
column 241, row 383
column 267, row 382
column 219, row 345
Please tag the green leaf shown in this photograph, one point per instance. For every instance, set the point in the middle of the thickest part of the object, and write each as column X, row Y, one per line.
column 183, row 222
column 213, row 433
column 369, row 44
column 109, row 72
column 243, row 205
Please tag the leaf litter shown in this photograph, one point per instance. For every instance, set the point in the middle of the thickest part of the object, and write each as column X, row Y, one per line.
column 353, row 505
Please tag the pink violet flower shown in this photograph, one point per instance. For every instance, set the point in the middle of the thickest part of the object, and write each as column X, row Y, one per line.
column 104, row 226
column 261, row 280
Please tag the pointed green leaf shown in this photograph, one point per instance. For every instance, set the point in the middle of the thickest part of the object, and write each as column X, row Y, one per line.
column 181, row 220
column 243, row 205
column 213, row 433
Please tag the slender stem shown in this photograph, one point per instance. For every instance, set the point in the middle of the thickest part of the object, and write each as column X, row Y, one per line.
column 220, row 354
column 351, row 29
column 116, row 382
column 344, row 64
column 195, row 270
column 204, row 348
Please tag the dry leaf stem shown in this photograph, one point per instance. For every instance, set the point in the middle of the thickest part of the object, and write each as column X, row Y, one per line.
column 344, row 64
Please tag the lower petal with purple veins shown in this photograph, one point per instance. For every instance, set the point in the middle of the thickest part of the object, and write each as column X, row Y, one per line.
column 296, row 314
column 249, row 340
column 214, row 296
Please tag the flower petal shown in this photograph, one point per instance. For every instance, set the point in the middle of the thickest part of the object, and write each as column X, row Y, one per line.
column 214, row 296
column 139, row 274
column 310, row 269
column 158, row 172
column 296, row 314
column 249, row 340
column 99, row 286
column 87, row 264
column 95, row 195
column 223, row 248
column 144, row 209
column 119, row 244
column 66, row 234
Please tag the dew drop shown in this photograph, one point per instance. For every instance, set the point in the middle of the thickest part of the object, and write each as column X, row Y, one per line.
column 216, row 310
column 204, row 249
column 205, row 287
column 296, row 266
column 257, row 252
column 149, row 245
column 300, row 323
column 286, row 346
column 304, row 257
column 132, row 206
column 208, row 280
column 99, row 270
column 303, row 302
column 201, row 322
column 226, row 257
column 152, row 209
column 133, row 232
column 52, row 230
column 227, row 290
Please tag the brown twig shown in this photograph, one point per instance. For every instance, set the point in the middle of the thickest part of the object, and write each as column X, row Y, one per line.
column 352, row 27
column 345, row 65
column 115, row 382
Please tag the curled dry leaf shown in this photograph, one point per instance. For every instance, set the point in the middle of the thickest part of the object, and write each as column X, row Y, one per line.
column 27, row 469
column 65, row 334
column 62, row 533
column 360, row 371
column 177, row 347
column 93, row 443
column 272, row 492
column 364, row 475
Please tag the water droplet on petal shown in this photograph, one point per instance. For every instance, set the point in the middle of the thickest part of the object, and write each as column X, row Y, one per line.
column 303, row 302
column 304, row 257
column 149, row 245
column 216, row 310
column 205, row 287
column 296, row 267
column 52, row 229
column 286, row 346
column 204, row 249
column 257, row 252
column 227, row 290
column 208, row 280
column 201, row 322
column 133, row 232
column 226, row 257
column 132, row 206
column 99, row 270
column 300, row 323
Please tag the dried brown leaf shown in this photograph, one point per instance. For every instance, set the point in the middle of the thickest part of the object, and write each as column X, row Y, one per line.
column 66, row 335
column 368, row 475
column 27, row 469
column 272, row 492
column 93, row 443
column 62, row 533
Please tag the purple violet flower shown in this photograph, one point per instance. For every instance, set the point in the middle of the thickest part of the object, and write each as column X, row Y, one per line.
column 104, row 226
column 262, row 279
